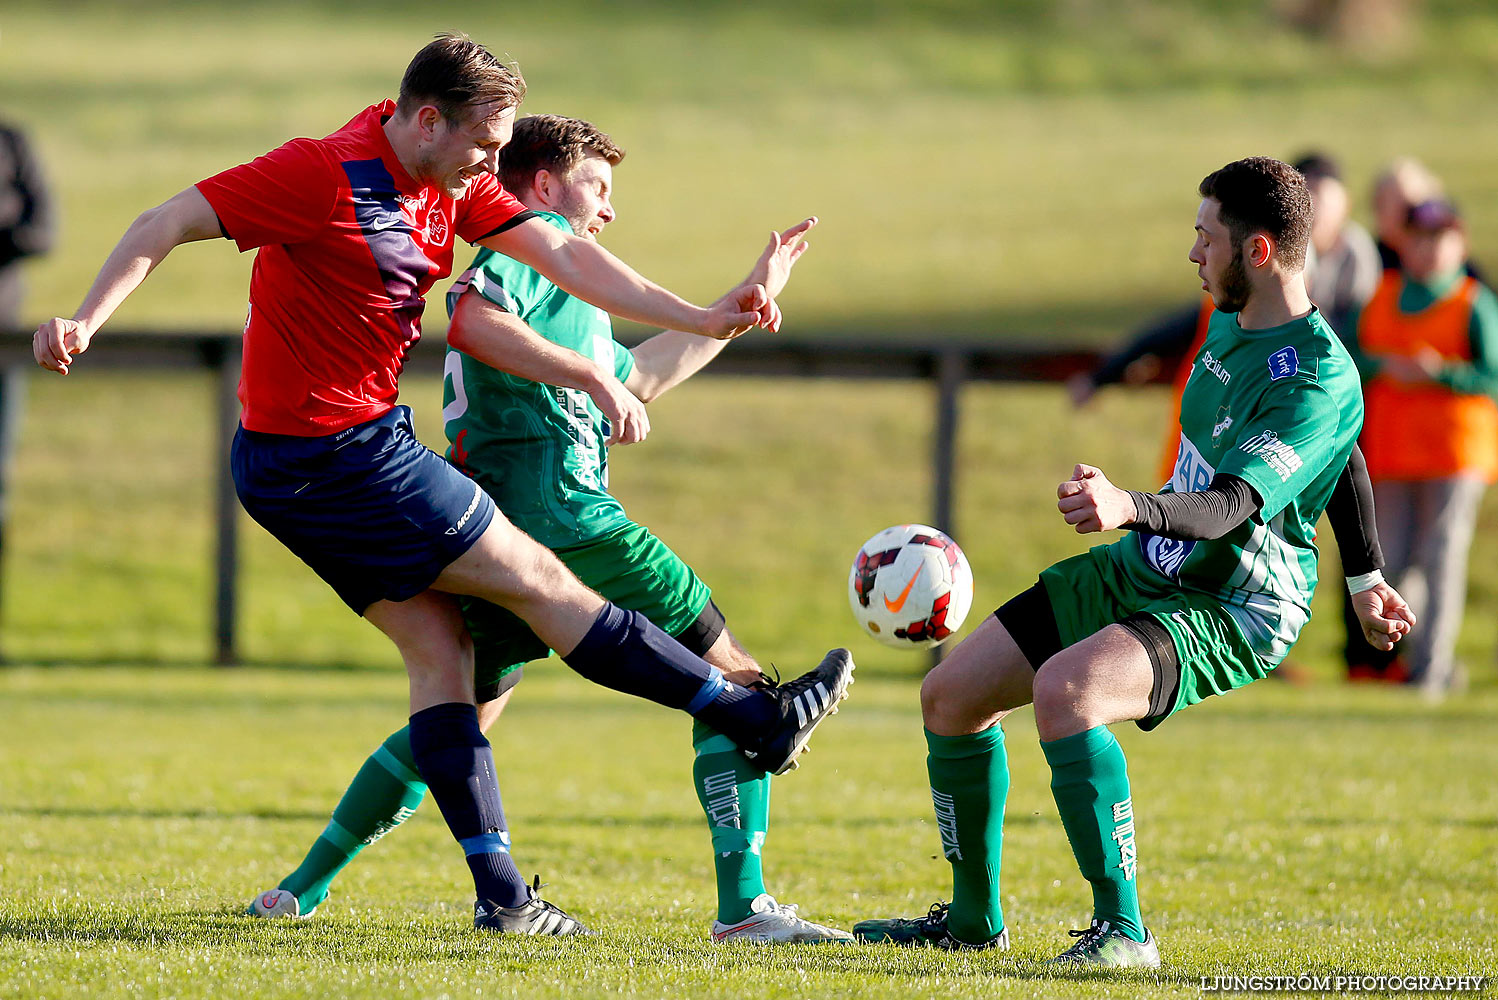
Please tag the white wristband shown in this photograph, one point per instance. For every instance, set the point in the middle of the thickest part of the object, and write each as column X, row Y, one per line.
column 1358, row 584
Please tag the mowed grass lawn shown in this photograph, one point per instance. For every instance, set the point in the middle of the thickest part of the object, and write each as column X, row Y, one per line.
column 1281, row 831
column 143, row 799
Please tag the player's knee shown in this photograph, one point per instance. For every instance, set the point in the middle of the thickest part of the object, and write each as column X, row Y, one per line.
column 514, row 568
column 942, row 704
column 1058, row 687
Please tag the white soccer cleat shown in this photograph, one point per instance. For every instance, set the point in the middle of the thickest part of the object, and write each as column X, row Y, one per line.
column 278, row 903
column 770, row 922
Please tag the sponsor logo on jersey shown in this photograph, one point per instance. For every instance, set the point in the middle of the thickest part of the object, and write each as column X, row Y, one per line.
column 1283, row 363
column 1224, row 421
column 1166, row 555
column 1193, row 472
column 1278, row 455
column 1216, row 367
column 946, row 824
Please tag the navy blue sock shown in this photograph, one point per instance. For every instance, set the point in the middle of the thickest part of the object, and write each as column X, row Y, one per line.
column 456, row 763
column 625, row 652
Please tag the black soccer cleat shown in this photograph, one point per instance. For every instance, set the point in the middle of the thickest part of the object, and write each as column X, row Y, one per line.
column 803, row 703
column 534, row 916
column 929, row 931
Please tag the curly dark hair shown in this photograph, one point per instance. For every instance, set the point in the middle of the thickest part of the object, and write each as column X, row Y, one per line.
column 1263, row 195
column 555, row 143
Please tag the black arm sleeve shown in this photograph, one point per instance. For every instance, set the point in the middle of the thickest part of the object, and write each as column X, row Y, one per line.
column 1350, row 511
column 1210, row 513
column 1167, row 339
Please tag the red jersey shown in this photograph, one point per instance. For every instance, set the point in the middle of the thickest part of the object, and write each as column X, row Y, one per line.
column 349, row 244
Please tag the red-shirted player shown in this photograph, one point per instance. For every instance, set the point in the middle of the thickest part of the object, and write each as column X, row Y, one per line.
column 352, row 230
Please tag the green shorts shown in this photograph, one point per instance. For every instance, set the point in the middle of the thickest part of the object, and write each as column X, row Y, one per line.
column 628, row 566
column 1089, row 592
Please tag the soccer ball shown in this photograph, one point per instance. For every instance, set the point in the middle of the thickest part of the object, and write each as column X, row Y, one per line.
column 910, row 587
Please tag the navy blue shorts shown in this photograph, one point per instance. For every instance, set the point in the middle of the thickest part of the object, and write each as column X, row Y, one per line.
column 372, row 510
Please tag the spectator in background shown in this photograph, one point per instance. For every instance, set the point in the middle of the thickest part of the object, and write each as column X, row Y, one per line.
column 1341, row 272
column 25, row 219
column 1346, row 267
column 1403, row 184
column 1427, row 344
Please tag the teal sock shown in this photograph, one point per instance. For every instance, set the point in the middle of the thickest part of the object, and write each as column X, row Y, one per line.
column 969, row 785
column 1090, row 780
column 384, row 793
column 735, row 796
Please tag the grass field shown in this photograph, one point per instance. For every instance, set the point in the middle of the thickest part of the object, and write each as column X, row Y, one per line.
column 1282, row 831
column 767, row 487
column 983, row 170
column 143, row 798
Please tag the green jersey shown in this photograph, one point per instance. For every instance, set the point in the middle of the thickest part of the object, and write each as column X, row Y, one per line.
column 1280, row 408
column 537, row 449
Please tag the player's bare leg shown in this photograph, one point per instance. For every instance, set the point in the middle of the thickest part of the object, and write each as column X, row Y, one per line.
column 489, row 711
column 624, row 651
column 728, row 655
column 428, row 630
column 509, row 568
column 984, row 679
column 1103, row 679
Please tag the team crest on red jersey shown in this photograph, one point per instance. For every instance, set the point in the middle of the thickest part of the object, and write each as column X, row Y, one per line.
column 436, row 227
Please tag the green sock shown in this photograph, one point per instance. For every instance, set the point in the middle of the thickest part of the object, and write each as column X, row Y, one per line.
column 969, row 785
column 384, row 793
column 735, row 795
column 1090, row 780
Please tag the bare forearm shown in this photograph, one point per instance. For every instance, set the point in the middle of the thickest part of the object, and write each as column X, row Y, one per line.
column 585, row 269
column 593, row 274
column 506, row 343
column 182, row 219
column 668, row 359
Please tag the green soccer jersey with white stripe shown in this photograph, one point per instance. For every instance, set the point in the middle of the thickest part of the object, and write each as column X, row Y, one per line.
column 537, row 449
column 1280, row 408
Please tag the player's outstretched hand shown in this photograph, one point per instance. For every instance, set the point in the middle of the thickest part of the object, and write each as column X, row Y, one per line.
column 57, row 342
column 1384, row 615
column 741, row 310
column 1090, row 503
column 773, row 269
column 628, row 421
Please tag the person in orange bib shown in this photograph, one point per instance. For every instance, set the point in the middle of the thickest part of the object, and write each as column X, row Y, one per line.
column 1427, row 345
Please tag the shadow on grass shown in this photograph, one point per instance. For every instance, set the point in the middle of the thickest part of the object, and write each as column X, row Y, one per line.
column 1347, row 822
column 664, row 822
column 116, row 812
column 190, row 663
column 449, row 939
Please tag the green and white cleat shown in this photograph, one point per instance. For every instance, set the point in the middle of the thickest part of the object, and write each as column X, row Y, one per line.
column 1106, row 947
column 770, row 922
column 929, row 931
column 278, row 903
